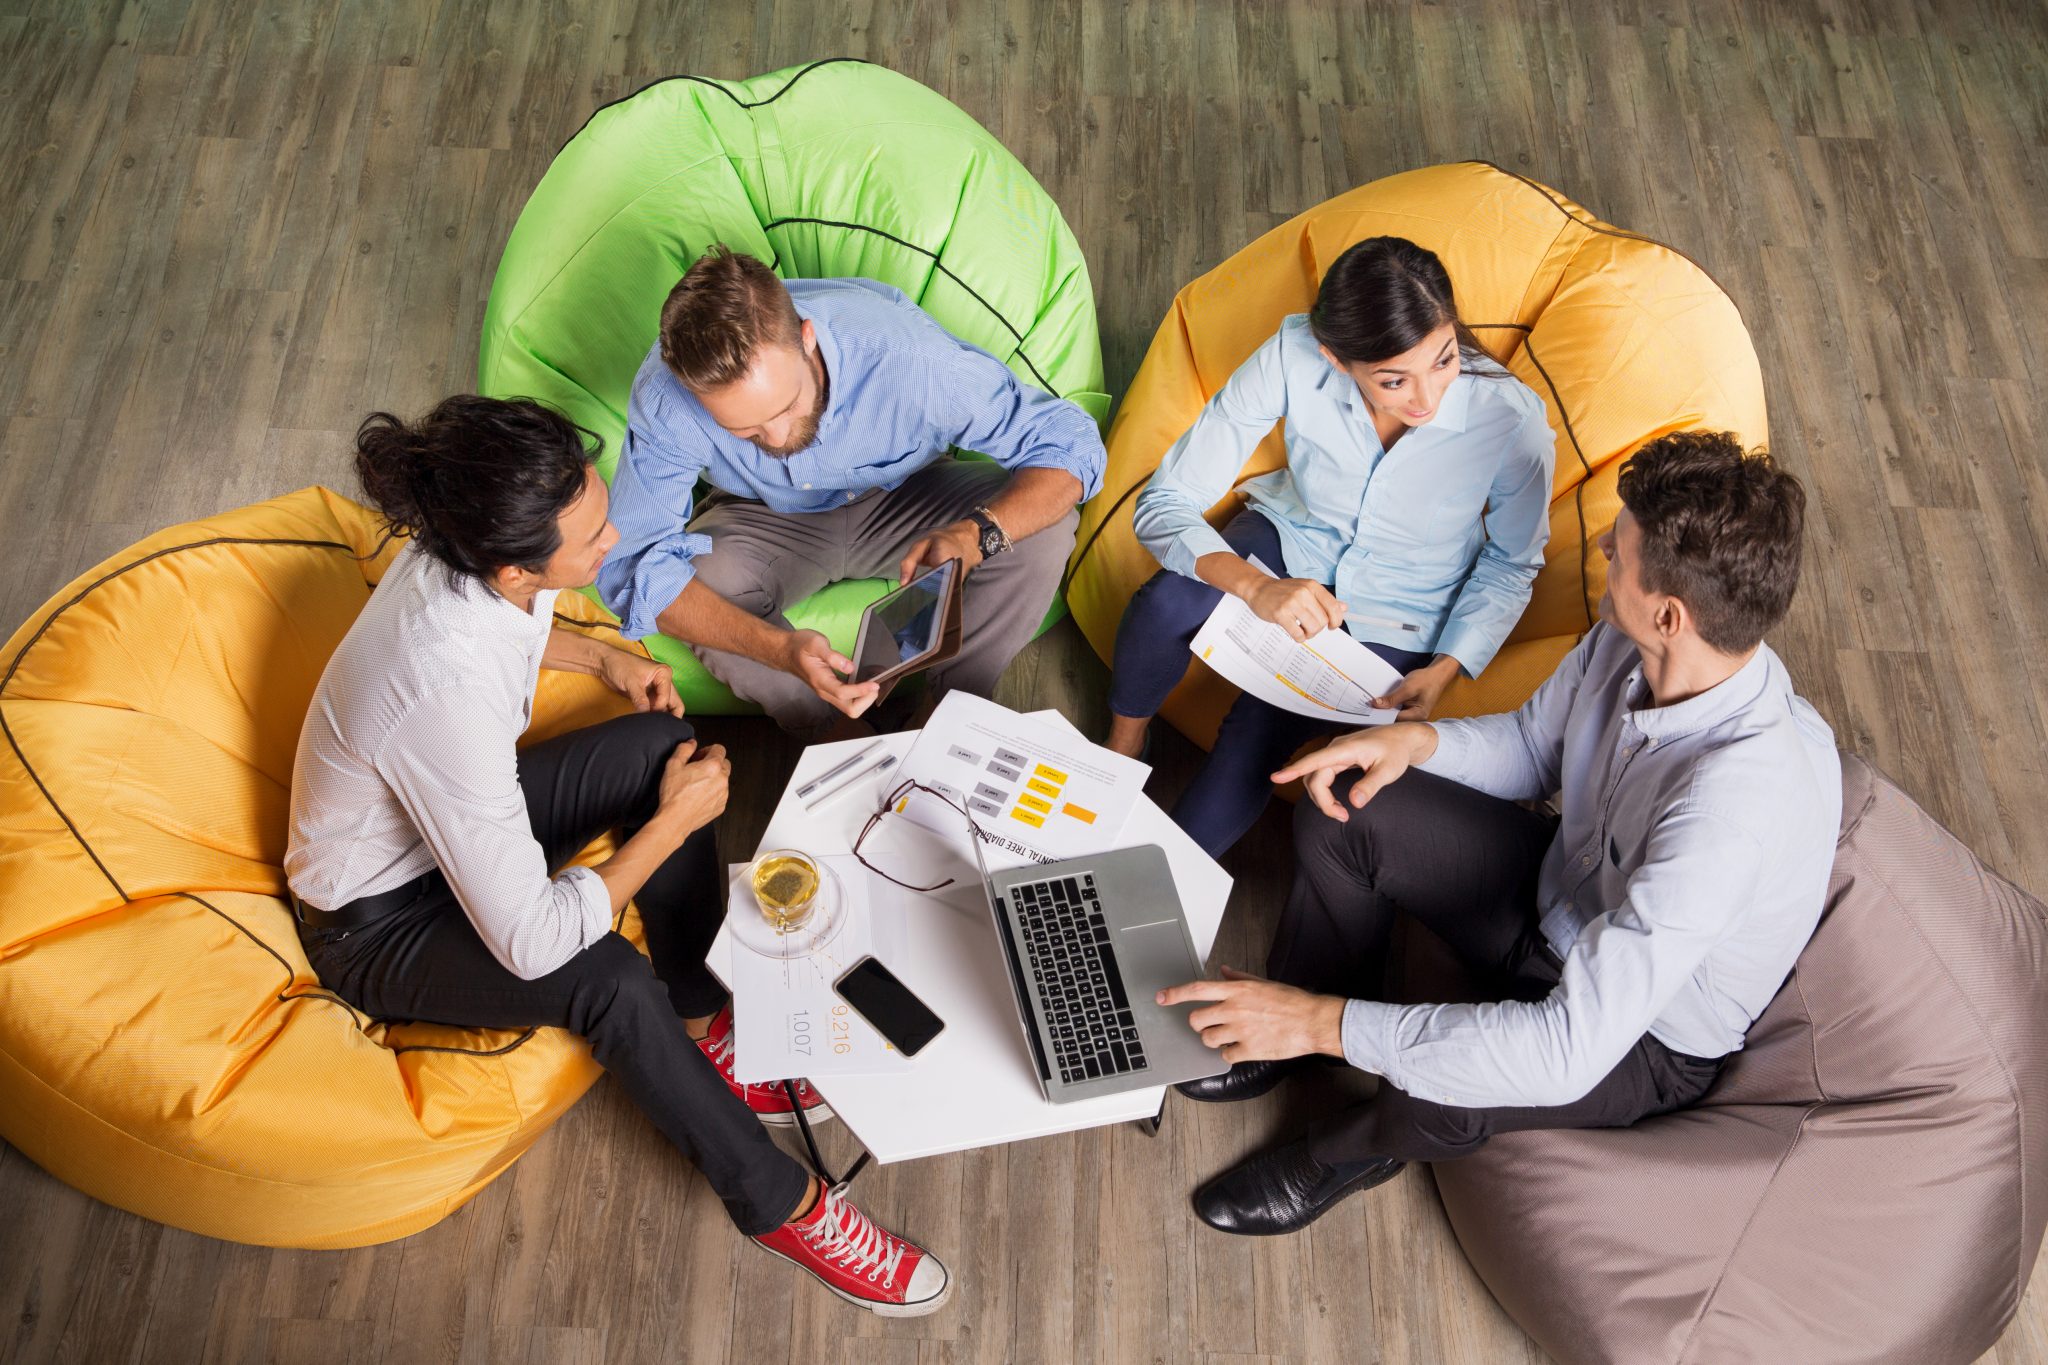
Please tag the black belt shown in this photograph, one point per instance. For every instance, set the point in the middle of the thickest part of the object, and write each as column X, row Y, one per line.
column 363, row 910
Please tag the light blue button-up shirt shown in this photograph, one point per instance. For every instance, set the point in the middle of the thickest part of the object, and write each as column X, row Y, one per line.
column 903, row 392
column 1688, row 872
column 1433, row 546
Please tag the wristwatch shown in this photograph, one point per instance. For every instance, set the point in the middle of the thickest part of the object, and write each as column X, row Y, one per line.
column 993, row 541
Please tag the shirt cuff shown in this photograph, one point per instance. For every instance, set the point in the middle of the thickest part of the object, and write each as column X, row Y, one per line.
column 1453, row 756
column 1368, row 1035
column 597, row 901
column 1079, row 452
column 1067, row 462
column 659, row 578
column 1468, row 645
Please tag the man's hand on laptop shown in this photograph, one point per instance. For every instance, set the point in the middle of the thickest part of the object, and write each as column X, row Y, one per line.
column 1380, row 755
column 1252, row 1019
column 812, row 658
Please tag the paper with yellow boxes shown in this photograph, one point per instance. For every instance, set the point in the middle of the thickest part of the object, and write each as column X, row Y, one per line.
column 1036, row 789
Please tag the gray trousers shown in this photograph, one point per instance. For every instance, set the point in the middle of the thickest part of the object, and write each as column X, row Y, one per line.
column 763, row 561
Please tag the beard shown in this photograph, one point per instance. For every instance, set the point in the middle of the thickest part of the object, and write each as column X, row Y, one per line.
column 799, row 440
column 806, row 433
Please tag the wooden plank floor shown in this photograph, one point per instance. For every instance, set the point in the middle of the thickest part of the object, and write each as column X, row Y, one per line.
column 237, row 226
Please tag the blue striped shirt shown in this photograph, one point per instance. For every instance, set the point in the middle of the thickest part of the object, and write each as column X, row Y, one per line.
column 903, row 391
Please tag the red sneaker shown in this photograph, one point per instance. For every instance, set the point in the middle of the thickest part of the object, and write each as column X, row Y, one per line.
column 767, row 1099
column 862, row 1262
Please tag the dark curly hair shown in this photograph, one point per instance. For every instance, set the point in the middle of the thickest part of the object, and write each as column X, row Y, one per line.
column 1722, row 532
column 478, row 482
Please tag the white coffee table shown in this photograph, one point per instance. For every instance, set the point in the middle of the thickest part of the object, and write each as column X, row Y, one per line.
column 975, row 1085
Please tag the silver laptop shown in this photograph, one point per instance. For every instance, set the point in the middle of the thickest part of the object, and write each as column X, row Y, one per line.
column 1089, row 942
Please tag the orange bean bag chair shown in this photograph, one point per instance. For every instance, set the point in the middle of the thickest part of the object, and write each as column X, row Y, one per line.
column 1624, row 339
column 163, row 1044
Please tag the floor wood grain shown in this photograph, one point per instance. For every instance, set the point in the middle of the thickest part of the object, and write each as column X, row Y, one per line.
column 237, row 226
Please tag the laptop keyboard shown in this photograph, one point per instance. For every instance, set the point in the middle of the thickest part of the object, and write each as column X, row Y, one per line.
column 1073, row 969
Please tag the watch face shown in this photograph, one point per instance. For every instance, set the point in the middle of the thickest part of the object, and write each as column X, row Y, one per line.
column 991, row 541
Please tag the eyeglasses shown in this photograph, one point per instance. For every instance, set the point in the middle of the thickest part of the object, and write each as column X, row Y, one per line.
column 902, row 791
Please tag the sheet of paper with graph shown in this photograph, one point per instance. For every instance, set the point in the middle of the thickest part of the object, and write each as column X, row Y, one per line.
column 1330, row 675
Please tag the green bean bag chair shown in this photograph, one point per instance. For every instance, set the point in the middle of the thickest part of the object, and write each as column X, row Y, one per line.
column 838, row 168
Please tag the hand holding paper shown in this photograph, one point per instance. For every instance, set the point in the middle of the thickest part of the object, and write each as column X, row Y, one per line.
column 1329, row 675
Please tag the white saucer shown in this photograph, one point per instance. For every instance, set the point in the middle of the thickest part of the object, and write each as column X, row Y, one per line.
column 828, row 916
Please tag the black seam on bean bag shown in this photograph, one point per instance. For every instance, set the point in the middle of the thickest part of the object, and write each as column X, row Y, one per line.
column 14, row 666
column 933, row 256
column 787, row 86
column 940, row 265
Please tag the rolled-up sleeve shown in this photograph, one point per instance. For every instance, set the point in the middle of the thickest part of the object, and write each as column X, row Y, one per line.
column 1517, row 528
column 979, row 405
column 653, row 490
column 458, row 780
column 1200, row 467
column 1625, row 967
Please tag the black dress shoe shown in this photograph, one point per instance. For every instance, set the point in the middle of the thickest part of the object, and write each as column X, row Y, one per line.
column 1245, row 1081
column 1284, row 1190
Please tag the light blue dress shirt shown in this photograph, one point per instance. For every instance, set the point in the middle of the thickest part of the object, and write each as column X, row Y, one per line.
column 1444, row 533
column 1688, row 872
column 903, row 392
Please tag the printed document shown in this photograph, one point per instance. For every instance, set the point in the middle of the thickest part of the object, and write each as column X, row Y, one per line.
column 1330, row 675
column 1037, row 790
column 787, row 1019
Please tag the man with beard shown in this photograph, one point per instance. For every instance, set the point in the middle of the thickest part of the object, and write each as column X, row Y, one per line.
column 822, row 413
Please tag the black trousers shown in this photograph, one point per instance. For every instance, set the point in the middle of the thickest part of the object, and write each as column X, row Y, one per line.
column 426, row 962
column 1465, row 865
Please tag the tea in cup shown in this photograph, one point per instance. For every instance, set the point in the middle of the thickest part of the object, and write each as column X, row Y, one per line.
column 786, row 887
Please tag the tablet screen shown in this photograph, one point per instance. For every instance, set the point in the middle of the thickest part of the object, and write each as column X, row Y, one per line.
column 906, row 624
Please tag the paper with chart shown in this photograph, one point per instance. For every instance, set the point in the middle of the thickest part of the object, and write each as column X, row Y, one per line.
column 1330, row 675
column 787, row 1019
column 1037, row 789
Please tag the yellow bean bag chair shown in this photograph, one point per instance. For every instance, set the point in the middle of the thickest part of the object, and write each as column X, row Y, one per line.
column 163, row 1044
column 1623, row 338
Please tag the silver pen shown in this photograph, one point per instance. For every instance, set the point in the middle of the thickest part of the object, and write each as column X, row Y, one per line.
column 822, row 778
column 850, row 783
column 1387, row 621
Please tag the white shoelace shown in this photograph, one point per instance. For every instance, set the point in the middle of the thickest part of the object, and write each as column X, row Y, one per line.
column 721, row 1056
column 845, row 1235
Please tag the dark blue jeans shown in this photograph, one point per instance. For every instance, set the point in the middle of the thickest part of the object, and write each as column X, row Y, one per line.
column 1231, row 790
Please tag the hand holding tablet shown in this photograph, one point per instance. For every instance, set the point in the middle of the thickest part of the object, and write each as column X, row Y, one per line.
column 914, row 627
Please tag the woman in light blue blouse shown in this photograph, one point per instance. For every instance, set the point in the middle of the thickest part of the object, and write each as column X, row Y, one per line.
column 1412, row 511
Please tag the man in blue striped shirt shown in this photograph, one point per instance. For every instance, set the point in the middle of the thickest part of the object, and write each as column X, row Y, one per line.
column 822, row 413
column 1629, row 941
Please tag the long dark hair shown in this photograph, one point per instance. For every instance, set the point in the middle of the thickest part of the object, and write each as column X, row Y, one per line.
column 478, row 482
column 1382, row 297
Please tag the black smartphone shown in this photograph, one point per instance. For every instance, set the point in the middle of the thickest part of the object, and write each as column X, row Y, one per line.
column 886, row 1003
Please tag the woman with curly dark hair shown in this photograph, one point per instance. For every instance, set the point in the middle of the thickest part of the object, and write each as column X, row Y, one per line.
column 429, row 858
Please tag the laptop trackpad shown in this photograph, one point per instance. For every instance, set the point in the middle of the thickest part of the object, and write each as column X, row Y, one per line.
column 1153, row 956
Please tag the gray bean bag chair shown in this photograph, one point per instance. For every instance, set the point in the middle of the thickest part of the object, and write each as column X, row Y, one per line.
column 1868, row 1180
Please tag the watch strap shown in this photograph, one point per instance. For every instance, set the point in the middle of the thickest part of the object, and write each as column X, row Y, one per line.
column 994, row 540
